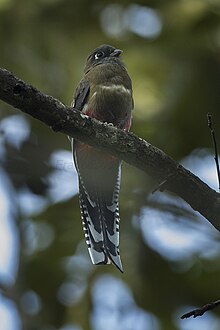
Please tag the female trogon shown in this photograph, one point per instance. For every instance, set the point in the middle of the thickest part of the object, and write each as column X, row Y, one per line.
column 104, row 93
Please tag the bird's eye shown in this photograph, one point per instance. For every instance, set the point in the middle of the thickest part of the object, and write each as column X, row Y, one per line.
column 99, row 55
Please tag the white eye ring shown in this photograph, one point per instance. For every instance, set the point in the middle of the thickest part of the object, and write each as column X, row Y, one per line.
column 99, row 55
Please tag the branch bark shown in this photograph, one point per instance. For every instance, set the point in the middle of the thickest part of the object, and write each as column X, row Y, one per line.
column 126, row 146
column 200, row 311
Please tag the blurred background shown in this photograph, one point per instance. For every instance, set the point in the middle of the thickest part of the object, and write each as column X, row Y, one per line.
column 170, row 253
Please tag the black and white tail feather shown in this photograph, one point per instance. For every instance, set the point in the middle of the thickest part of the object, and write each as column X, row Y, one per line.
column 100, row 218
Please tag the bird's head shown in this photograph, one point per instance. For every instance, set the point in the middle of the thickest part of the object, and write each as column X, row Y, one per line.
column 102, row 54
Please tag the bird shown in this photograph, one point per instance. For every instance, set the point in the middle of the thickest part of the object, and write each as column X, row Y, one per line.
column 104, row 93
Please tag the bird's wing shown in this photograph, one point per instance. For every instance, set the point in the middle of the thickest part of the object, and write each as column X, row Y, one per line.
column 81, row 95
column 79, row 101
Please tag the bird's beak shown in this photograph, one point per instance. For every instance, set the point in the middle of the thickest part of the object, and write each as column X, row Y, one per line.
column 116, row 53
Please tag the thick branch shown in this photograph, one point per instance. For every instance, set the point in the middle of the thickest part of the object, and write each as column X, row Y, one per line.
column 125, row 146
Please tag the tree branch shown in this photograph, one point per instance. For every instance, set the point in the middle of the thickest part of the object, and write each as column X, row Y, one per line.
column 202, row 310
column 209, row 117
column 125, row 146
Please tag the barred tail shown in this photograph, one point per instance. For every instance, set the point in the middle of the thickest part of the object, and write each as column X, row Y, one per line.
column 101, row 228
column 99, row 184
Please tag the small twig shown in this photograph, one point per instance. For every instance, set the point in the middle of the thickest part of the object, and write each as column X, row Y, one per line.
column 209, row 117
column 202, row 310
column 162, row 186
